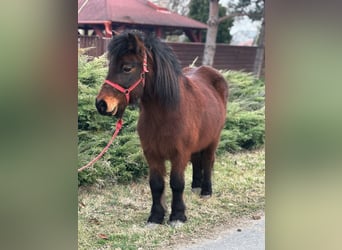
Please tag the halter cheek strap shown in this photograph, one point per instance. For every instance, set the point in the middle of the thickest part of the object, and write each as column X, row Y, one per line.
column 119, row 123
column 128, row 91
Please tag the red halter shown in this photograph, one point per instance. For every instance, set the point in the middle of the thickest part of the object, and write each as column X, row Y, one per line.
column 120, row 122
column 141, row 79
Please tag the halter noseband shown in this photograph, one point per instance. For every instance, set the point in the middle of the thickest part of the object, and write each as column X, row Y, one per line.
column 141, row 79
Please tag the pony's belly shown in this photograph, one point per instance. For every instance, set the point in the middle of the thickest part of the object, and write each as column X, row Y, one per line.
column 167, row 148
column 163, row 147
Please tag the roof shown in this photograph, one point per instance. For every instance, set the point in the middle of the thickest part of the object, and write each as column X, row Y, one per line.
column 132, row 12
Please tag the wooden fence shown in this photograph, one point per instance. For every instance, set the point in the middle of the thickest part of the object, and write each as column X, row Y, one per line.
column 226, row 56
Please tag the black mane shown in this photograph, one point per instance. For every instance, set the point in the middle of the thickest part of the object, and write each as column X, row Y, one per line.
column 163, row 85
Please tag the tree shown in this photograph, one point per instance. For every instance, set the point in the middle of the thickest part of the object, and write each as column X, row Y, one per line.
column 260, row 53
column 213, row 23
column 199, row 10
column 254, row 9
column 210, row 41
column 179, row 6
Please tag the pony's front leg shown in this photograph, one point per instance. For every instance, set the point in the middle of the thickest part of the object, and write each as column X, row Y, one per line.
column 157, row 185
column 177, row 186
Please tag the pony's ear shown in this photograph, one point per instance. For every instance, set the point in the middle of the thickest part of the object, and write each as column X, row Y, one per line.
column 134, row 43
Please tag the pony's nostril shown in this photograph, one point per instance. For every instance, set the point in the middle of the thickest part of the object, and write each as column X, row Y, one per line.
column 101, row 106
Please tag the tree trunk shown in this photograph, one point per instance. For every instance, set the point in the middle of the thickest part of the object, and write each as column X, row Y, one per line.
column 210, row 41
column 260, row 52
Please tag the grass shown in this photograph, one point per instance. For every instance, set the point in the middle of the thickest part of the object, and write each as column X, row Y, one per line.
column 114, row 216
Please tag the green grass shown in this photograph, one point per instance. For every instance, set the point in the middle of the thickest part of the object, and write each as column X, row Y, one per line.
column 114, row 216
column 114, row 209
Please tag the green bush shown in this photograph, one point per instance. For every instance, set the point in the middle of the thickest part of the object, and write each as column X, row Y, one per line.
column 245, row 125
column 124, row 161
column 91, row 74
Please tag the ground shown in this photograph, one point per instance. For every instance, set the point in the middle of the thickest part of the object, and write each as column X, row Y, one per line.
column 114, row 216
column 246, row 234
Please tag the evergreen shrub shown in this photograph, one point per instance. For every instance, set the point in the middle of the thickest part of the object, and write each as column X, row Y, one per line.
column 124, row 161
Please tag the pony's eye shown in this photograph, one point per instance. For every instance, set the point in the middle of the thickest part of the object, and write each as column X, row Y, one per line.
column 127, row 68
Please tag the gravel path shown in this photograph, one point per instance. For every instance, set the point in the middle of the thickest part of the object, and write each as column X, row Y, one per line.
column 250, row 236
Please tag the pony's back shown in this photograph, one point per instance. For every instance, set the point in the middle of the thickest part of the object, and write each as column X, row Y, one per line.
column 213, row 77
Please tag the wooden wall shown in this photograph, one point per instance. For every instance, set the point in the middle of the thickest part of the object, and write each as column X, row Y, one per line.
column 226, row 56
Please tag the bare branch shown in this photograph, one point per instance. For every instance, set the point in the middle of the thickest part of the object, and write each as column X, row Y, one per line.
column 221, row 19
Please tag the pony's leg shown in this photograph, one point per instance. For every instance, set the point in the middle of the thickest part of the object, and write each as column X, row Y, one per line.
column 207, row 160
column 157, row 185
column 197, row 172
column 177, row 186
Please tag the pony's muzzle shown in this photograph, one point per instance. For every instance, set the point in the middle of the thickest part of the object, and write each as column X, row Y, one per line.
column 101, row 106
column 106, row 107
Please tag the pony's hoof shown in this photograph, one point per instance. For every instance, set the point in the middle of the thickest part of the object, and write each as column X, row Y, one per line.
column 206, row 196
column 196, row 190
column 176, row 223
column 151, row 225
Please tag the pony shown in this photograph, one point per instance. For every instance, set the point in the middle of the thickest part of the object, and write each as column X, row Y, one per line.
column 182, row 113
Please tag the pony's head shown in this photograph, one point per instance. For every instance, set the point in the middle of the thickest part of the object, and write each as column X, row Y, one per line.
column 125, row 80
column 139, row 68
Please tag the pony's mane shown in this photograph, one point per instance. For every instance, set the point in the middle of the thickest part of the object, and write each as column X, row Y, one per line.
column 164, row 85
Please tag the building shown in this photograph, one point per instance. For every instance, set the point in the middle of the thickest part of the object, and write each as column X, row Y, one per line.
column 102, row 18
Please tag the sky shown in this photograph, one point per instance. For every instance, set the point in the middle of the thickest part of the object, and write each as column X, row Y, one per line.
column 243, row 29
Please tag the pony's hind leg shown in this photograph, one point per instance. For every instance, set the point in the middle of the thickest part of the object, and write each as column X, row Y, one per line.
column 207, row 162
column 157, row 185
column 197, row 172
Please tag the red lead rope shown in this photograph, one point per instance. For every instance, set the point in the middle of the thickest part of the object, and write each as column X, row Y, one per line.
column 119, row 123
column 117, row 129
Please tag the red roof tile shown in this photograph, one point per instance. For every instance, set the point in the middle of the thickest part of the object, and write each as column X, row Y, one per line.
column 132, row 12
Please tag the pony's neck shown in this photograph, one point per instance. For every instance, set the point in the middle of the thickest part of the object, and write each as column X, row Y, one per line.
column 161, row 101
